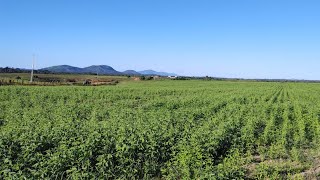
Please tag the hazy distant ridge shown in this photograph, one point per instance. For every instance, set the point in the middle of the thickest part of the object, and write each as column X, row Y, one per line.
column 102, row 69
column 152, row 72
column 131, row 72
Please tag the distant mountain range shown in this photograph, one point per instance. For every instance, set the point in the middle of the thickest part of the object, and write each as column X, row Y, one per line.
column 131, row 72
column 102, row 69
column 152, row 72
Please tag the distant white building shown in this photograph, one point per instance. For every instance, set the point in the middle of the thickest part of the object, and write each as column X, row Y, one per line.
column 156, row 77
column 172, row 77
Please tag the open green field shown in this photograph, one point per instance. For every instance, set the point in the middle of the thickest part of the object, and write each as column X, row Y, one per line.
column 161, row 130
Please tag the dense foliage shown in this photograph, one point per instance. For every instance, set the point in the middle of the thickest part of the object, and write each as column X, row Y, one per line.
column 160, row 129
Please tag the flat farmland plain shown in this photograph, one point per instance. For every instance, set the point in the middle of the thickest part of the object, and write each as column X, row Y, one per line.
column 161, row 130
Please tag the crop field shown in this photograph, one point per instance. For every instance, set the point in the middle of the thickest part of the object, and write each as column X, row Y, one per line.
column 161, row 130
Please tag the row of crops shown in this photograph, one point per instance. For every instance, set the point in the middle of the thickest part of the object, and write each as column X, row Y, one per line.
column 162, row 129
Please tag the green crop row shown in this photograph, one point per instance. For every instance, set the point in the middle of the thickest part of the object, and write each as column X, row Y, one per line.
column 162, row 129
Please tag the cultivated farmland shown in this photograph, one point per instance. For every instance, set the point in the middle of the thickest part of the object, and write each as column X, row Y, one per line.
column 162, row 130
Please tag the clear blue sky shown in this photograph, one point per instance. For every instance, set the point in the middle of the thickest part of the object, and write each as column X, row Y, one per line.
column 229, row 38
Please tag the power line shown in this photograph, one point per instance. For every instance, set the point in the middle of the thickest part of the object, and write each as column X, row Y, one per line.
column 33, row 60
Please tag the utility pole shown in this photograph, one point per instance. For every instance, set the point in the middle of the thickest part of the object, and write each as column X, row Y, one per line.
column 31, row 78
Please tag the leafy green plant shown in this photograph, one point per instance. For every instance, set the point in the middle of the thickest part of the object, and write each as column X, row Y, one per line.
column 159, row 129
